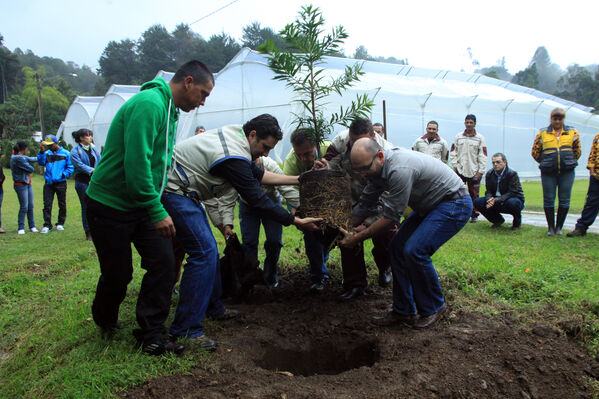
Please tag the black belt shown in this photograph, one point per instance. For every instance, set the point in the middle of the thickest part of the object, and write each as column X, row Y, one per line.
column 458, row 194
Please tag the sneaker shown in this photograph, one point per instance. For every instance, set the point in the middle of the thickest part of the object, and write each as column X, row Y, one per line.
column 2, row 231
column 474, row 219
column 21, row 232
column 59, row 227
column 45, row 230
column 204, row 342
column 318, row 287
column 229, row 314
column 34, row 230
column 161, row 347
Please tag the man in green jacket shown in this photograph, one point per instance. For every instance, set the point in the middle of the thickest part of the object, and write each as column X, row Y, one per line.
column 124, row 203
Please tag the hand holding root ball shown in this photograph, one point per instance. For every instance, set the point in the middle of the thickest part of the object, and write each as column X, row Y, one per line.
column 307, row 224
column 349, row 238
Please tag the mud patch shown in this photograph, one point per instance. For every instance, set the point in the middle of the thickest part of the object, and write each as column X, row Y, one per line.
column 291, row 344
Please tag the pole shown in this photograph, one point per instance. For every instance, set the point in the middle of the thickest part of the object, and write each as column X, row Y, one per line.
column 39, row 103
column 384, row 119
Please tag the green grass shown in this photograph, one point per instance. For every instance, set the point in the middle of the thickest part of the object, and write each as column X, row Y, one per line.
column 50, row 347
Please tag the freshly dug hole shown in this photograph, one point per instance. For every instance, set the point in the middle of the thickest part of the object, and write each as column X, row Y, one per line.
column 332, row 356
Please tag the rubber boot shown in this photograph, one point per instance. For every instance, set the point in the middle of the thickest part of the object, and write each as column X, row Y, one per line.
column 561, row 218
column 550, row 216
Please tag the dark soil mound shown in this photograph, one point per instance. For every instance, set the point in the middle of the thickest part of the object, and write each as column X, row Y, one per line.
column 291, row 344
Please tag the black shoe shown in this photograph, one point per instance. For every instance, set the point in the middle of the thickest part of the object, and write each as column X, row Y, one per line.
column 392, row 318
column 516, row 226
column 319, row 287
column 385, row 277
column 351, row 294
column 161, row 347
column 229, row 314
column 427, row 321
column 496, row 225
column 576, row 233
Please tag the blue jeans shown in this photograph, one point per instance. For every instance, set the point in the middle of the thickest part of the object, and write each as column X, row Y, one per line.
column 249, row 222
column 25, row 196
column 317, row 256
column 201, row 273
column 563, row 183
column 81, row 188
column 416, row 288
column 512, row 206
column 591, row 206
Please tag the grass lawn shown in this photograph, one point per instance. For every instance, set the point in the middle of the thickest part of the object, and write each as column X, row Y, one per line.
column 50, row 347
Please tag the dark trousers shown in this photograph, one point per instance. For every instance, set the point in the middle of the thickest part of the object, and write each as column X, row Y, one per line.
column 112, row 232
column 591, row 206
column 473, row 184
column 60, row 189
column 354, row 266
column 512, row 206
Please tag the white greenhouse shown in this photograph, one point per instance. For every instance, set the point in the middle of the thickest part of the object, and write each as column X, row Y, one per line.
column 508, row 115
column 112, row 101
column 79, row 116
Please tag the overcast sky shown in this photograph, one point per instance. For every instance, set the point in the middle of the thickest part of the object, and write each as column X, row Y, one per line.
column 430, row 33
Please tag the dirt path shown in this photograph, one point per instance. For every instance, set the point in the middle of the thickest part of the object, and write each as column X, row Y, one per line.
column 291, row 344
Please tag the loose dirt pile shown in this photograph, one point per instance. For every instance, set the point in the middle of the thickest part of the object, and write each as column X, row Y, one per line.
column 293, row 344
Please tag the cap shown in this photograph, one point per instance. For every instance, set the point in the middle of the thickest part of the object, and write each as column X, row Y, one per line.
column 50, row 139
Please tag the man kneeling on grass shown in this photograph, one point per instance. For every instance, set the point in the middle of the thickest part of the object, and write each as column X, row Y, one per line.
column 218, row 163
column 441, row 207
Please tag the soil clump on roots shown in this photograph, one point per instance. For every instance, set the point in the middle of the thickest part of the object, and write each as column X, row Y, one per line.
column 326, row 194
column 291, row 344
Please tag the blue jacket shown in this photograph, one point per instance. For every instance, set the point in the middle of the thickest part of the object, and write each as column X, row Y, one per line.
column 20, row 168
column 80, row 159
column 58, row 165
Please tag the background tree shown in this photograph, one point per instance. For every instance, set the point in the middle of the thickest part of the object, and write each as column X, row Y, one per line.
column 299, row 65
column 54, row 103
column 156, row 51
column 219, row 50
column 16, row 118
column 497, row 71
column 254, row 35
column 10, row 72
column 580, row 85
column 529, row 77
column 119, row 63
column 362, row 54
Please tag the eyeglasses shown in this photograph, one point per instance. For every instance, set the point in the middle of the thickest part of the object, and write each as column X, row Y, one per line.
column 558, row 117
column 366, row 168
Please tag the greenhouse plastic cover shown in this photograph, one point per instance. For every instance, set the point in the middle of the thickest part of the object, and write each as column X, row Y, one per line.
column 508, row 115
column 79, row 116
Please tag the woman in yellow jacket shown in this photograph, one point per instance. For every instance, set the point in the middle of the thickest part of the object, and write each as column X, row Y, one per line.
column 557, row 149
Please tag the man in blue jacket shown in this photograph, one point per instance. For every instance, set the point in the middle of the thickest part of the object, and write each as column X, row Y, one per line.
column 58, row 165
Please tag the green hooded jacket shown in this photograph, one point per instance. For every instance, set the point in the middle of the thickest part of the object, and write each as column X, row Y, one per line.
column 136, row 155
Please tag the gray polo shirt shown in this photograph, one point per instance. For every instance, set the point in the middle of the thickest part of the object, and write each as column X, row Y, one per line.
column 408, row 178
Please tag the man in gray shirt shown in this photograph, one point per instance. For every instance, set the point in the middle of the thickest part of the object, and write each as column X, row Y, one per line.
column 441, row 207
